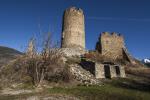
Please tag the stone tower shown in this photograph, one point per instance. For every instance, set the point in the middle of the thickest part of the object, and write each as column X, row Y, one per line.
column 73, row 32
column 111, row 45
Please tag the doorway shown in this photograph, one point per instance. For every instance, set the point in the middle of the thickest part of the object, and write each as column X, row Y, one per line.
column 117, row 70
column 107, row 71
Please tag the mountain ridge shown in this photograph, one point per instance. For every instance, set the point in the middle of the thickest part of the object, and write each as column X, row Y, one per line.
column 7, row 54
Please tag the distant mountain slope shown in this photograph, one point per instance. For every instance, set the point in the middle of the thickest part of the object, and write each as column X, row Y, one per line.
column 7, row 54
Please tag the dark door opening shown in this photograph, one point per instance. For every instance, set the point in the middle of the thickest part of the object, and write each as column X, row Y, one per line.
column 107, row 71
column 117, row 70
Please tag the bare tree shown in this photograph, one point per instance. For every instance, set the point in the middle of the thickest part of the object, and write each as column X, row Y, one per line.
column 38, row 64
column 31, row 50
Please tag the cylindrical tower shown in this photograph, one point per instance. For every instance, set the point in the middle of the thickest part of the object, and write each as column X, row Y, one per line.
column 73, row 32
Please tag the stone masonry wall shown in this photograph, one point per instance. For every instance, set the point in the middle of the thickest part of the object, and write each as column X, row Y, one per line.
column 73, row 32
column 122, row 70
column 111, row 45
column 99, row 70
column 113, row 71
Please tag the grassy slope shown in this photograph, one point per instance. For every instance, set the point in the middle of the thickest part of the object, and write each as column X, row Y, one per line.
column 135, row 87
column 121, row 89
column 106, row 92
column 7, row 54
column 132, row 88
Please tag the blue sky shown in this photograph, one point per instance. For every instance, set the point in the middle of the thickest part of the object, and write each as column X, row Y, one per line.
column 19, row 20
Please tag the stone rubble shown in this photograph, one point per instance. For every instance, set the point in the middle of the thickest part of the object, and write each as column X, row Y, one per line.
column 83, row 76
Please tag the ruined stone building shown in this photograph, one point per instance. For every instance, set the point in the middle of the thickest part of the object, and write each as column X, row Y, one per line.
column 109, row 70
column 73, row 32
column 104, row 69
column 110, row 45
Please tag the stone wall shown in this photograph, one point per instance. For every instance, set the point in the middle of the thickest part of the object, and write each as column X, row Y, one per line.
column 111, row 45
column 73, row 32
column 122, row 70
column 67, row 52
column 113, row 73
column 100, row 71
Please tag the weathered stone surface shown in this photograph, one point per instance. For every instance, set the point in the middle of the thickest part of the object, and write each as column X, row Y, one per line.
column 73, row 32
column 83, row 75
column 99, row 70
column 122, row 70
column 111, row 71
column 111, row 45
column 67, row 52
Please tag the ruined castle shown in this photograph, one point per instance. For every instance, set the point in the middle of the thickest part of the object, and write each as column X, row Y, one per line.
column 109, row 45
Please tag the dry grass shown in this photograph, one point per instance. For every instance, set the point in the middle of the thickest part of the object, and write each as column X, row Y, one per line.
column 106, row 92
column 31, row 70
column 141, row 71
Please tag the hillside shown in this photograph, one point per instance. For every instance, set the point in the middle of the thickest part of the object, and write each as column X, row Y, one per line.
column 18, row 80
column 7, row 54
